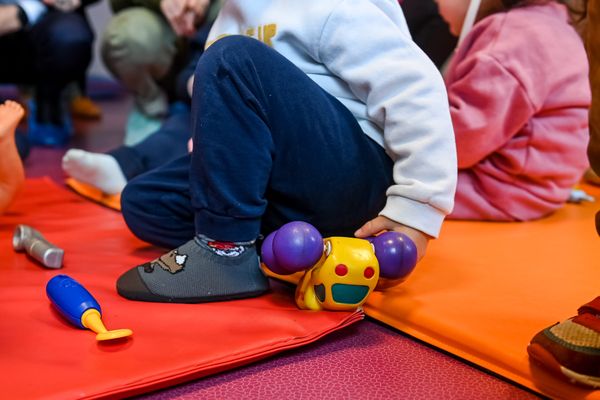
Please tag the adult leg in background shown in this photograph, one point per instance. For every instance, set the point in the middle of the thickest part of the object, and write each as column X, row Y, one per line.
column 139, row 48
column 62, row 44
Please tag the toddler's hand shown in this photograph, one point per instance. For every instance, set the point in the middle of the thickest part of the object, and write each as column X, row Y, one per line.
column 382, row 223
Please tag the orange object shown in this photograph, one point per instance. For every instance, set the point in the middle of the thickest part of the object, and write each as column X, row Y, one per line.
column 84, row 107
column 89, row 192
column 44, row 357
column 485, row 289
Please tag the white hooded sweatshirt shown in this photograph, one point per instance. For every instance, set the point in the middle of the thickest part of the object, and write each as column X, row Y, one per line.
column 360, row 51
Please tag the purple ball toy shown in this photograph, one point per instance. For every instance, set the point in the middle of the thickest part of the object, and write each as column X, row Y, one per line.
column 396, row 253
column 294, row 247
column 268, row 258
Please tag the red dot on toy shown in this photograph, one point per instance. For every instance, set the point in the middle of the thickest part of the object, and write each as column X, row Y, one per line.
column 341, row 269
column 369, row 272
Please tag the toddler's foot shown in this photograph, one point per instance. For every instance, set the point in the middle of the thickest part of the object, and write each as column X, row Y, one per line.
column 11, row 168
column 572, row 347
column 96, row 169
column 199, row 271
column 10, row 114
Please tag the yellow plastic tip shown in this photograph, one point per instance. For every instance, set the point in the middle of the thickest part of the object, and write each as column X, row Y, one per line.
column 116, row 334
column 91, row 319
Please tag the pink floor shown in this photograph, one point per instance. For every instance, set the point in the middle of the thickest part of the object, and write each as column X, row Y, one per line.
column 367, row 360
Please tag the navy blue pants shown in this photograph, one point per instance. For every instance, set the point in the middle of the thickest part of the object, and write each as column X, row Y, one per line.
column 167, row 143
column 270, row 146
column 55, row 51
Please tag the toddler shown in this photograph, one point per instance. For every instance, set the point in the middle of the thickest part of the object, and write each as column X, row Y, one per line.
column 323, row 111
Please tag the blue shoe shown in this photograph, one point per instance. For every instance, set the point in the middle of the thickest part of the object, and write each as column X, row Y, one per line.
column 47, row 134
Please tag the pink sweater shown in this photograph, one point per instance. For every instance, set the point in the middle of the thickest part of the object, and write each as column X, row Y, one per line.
column 519, row 98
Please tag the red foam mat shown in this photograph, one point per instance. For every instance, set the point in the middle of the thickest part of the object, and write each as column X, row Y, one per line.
column 42, row 356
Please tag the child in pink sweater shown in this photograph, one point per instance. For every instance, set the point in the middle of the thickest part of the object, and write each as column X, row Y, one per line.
column 519, row 98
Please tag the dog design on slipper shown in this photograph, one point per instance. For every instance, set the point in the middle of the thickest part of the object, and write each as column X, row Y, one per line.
column 172, row 262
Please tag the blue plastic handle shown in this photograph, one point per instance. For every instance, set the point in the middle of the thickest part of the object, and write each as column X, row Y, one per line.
column 70, row 298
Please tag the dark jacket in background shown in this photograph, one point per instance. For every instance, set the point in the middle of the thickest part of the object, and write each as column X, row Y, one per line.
column 429, row 30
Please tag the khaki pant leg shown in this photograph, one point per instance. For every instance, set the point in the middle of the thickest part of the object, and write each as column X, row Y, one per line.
column 138, row 47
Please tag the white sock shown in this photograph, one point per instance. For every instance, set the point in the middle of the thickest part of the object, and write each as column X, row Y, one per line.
column 99, row 170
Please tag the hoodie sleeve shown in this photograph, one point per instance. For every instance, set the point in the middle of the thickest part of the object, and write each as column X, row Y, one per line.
column 488, row 105
column 367, row 45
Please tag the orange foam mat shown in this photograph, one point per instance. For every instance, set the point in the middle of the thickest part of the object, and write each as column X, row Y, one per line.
column 42, row 356
column 485, row 289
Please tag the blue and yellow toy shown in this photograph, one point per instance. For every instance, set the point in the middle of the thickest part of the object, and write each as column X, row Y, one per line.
column 79, row 307
column 339, row 272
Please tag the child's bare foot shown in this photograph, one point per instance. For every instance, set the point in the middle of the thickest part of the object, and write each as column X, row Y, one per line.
column 11, row 169
column 10, row 114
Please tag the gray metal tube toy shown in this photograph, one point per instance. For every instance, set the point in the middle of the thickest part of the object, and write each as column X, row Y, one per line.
column 26, row 238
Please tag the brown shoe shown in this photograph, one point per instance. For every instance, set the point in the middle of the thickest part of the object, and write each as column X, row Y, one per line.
column 572, row 348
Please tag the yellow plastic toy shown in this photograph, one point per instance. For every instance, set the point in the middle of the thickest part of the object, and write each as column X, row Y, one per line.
column 337, row 273
column 342, row 279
